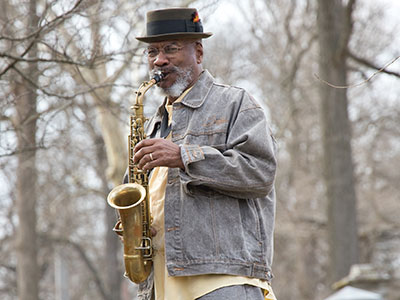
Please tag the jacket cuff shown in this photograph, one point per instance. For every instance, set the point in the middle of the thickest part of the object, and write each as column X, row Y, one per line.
column 191, row 153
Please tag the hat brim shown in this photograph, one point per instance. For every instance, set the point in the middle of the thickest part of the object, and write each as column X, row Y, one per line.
column 174, row 36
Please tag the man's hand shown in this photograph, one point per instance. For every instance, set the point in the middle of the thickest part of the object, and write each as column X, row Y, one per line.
column 157, row 153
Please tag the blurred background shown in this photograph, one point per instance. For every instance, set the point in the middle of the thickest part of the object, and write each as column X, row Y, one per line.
column 327, row 73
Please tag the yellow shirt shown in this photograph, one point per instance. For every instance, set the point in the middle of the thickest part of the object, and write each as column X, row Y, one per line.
column 185, row 287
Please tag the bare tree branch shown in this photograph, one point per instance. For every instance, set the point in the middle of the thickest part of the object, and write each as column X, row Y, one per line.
column 38, row 59
column 371, row 65
column 91, row 88
column 379, row 70
column 35, row 35
column 48, row 26
column 89, row 264
column 348, row 27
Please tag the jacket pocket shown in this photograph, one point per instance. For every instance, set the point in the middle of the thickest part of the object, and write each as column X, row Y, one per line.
column 212, row 132
column 238, row 229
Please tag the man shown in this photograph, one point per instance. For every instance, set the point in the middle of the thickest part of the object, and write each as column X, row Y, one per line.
column 213, row 169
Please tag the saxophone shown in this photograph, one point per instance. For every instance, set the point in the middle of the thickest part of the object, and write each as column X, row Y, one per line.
column 132, row 199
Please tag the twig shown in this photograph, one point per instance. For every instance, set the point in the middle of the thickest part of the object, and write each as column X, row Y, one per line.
column 360, row 83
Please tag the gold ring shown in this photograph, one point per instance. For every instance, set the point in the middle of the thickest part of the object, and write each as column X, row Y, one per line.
column 151, row 156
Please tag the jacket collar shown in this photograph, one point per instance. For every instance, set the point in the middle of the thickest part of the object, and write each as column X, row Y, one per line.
column 193, row 99
column 196, row 96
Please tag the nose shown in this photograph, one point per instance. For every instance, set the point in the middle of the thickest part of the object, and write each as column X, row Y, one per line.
column 161, row 59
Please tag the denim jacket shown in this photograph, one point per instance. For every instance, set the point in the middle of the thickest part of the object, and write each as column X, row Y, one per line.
column 220, row 210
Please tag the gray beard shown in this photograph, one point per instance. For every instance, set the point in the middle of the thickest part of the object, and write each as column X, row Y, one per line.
column 180, row 84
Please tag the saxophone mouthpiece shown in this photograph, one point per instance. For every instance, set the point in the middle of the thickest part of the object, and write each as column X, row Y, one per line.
column 158, row 76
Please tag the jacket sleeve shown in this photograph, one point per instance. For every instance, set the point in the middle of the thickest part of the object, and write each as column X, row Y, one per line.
column 245, row 169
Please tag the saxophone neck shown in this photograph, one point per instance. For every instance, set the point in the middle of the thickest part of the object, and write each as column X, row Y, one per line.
column 145, row 86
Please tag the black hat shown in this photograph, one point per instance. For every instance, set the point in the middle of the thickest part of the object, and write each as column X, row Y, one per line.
column 173, row 23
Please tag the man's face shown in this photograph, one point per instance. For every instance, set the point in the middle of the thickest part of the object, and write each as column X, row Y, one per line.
column 178, row 61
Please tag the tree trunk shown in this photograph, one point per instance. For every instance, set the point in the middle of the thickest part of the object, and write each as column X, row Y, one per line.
column 334, row 32
column 62, row 275
column 113, row 271
column 27, row 266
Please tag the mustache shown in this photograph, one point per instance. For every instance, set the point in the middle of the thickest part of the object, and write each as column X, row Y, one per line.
column 165, row 70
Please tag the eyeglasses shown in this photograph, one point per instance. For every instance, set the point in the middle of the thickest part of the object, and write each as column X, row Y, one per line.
column 168, row 50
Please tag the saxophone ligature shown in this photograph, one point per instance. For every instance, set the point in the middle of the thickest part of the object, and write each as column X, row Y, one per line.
column 132, row 199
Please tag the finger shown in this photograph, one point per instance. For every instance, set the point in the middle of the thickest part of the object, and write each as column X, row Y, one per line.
column 153, row 231
column 144, row 143
column 139, row 155
column 146, row 163
column 152, row 163
column 146, row 147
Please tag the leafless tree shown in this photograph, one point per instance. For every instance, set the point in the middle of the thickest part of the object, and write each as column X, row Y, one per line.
column 40, row 63
column 26, row 199
column 335, row 29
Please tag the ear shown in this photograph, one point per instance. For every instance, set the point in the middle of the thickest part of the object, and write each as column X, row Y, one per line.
column 199, row 53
